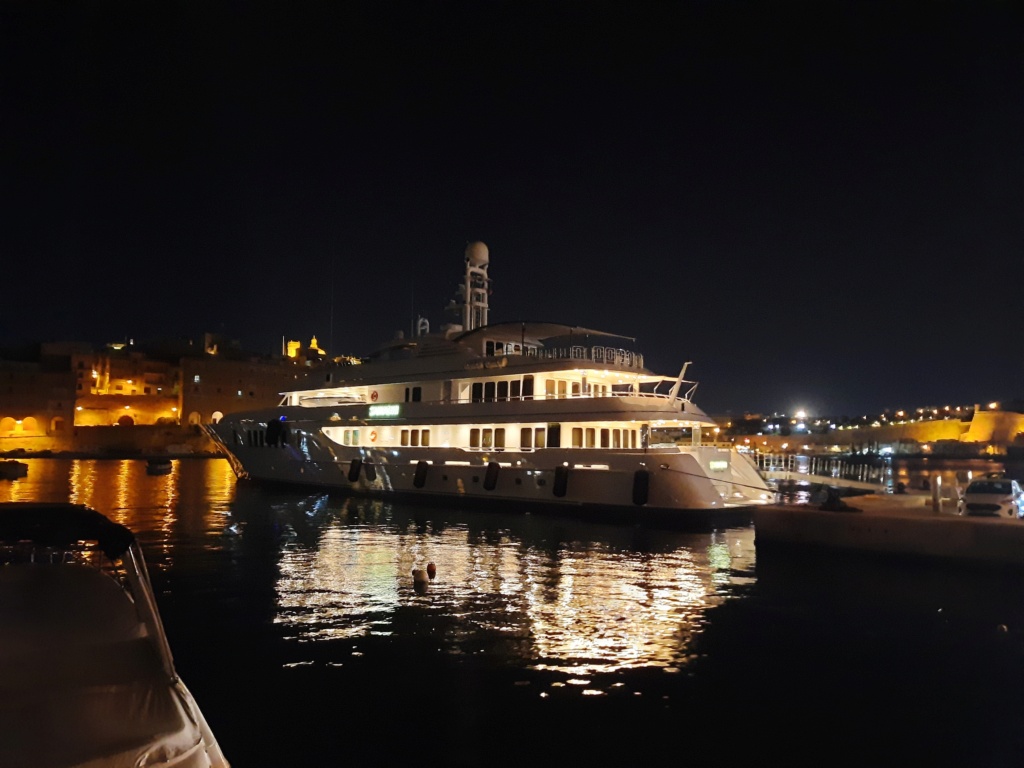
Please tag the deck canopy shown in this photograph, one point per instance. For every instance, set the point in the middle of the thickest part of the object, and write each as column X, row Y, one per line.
column 61, row 525
column 541, row 332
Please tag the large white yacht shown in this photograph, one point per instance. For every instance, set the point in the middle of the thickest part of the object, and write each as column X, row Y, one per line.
column 533, row 414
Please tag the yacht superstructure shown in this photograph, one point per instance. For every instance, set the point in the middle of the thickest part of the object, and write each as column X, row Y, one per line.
column 524, row 413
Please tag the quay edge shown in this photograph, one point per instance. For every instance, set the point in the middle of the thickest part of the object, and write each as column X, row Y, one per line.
column 876, row 525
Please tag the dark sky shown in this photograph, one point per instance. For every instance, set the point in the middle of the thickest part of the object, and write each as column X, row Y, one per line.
column 819, row 204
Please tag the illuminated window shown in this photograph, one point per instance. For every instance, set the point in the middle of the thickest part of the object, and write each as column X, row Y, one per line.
column 195, row 379
column 577, row 437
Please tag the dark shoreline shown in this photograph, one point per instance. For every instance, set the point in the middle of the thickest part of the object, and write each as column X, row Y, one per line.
column 103, row 455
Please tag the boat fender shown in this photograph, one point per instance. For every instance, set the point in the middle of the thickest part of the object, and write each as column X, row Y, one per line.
column 641, row 485
column 491, row 478
column 371, row 472
column 353, row 469
column 420, row 478
column 561, row 481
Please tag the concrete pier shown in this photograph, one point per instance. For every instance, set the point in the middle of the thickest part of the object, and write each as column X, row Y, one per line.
column 893, row 525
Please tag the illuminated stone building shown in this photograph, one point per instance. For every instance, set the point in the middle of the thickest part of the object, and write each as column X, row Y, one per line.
column 36, row 401
column 74, row 397
column 213, row 386
column 123, row 386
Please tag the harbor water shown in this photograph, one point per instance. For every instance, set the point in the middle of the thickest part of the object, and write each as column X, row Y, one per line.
column 296, row 622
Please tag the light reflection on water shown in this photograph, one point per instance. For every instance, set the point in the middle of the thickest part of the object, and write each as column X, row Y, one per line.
column 192, row 501
column 589, row 606
column 539, row 593
column 295, row 621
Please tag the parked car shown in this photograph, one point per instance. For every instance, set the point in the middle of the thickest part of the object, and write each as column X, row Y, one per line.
column 994, row 497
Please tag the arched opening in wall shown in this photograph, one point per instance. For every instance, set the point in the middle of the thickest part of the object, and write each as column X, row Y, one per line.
column 216, row 417
column 7, row 424
column 57, row 424
column 29, row 424
column 195, row 418
column 125, row 421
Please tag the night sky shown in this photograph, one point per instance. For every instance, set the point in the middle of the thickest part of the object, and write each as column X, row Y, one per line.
column 821, row 204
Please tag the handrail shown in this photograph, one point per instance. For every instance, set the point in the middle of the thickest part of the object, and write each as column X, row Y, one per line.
column 598, row 354
column 343, row 400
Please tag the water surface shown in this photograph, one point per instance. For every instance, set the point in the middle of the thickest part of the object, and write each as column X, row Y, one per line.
column 296, row 622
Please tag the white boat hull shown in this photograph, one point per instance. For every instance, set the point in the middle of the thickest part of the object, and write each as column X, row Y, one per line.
column 665, row 484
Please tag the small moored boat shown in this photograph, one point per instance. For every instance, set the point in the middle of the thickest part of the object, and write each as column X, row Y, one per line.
column 158, row 466
column 12, row 470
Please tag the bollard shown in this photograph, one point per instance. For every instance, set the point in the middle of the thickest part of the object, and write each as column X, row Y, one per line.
column 937, row 494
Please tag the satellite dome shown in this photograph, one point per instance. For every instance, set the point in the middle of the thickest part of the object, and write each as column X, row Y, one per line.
column 476, row 254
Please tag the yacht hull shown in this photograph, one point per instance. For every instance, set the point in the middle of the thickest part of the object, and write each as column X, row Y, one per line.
column 667, row 485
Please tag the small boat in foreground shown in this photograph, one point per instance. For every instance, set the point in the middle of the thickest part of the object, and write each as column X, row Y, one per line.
column 158, row 466
column 86, row 673
column 12, row 470
column 529, row 415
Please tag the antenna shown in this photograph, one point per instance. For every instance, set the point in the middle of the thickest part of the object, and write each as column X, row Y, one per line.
column 330, row 324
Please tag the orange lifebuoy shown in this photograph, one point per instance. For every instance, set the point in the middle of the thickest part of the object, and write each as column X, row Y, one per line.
column 373, row 436
column 373, row 395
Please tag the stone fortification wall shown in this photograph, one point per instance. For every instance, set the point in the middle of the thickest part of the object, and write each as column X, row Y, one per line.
column 997, row 429
column 116, row 441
